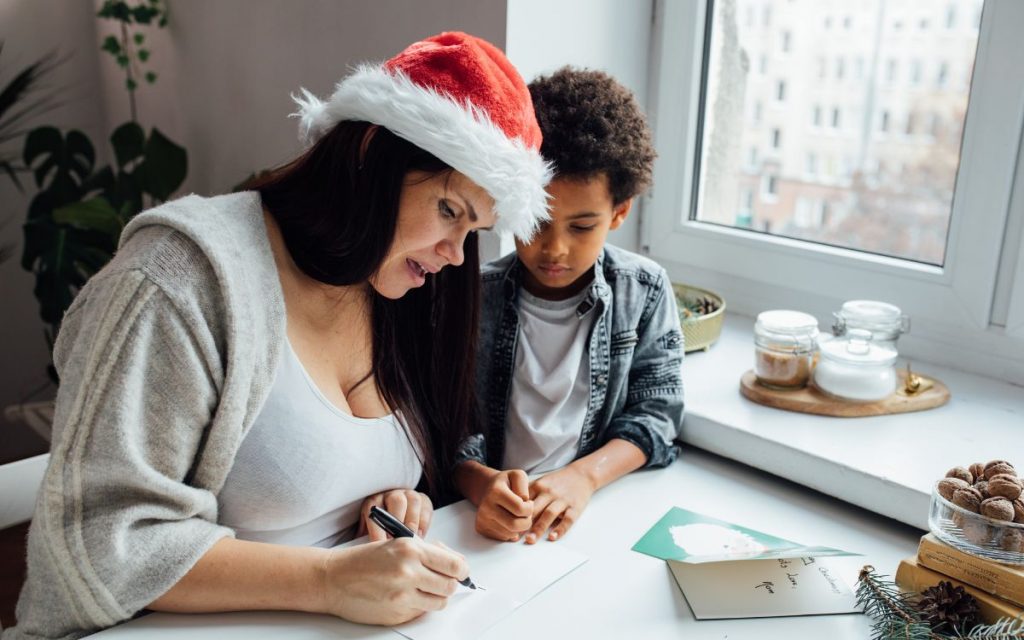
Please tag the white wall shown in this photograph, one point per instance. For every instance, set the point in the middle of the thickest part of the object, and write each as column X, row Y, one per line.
column 29, row 29
column 610, row 35
column 228, row 69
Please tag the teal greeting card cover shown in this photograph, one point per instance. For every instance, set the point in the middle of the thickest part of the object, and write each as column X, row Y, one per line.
column 695, row 538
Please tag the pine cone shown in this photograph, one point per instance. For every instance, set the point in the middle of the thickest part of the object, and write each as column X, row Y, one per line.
column 948, row 609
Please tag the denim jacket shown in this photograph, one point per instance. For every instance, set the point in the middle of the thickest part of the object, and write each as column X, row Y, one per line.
column 635, row 351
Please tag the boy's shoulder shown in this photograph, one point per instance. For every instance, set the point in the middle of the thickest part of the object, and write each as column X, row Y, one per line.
column 496, row 269
column 621, row 263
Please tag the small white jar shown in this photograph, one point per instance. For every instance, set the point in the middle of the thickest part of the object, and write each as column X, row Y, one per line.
column 885, row 321
column 852, row 367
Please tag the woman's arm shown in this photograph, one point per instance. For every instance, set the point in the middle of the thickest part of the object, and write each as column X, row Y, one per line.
column 376, row 583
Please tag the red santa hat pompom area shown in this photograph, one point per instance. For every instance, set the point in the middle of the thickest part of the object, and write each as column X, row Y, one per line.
column 459, row 98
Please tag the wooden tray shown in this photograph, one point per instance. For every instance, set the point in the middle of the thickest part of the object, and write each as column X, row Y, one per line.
column 810, row 399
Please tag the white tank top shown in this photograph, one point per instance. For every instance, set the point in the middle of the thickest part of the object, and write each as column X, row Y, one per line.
column 305, row 466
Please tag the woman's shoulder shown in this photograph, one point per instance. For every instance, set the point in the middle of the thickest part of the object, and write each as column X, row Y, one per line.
column 194, row 245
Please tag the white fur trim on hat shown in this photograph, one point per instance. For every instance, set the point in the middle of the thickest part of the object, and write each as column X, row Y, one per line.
column 460, row 135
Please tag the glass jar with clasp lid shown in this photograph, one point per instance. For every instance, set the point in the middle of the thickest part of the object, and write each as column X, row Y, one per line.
column 784, row 346
column 854, row 367
column 885, row 321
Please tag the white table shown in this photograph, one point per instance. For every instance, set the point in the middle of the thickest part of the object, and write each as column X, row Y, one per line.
column 619, row 593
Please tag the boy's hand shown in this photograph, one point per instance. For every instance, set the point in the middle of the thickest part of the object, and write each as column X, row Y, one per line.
column 558, row 500
column 505, row 511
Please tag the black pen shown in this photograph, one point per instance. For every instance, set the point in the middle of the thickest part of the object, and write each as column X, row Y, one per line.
column 397, row 529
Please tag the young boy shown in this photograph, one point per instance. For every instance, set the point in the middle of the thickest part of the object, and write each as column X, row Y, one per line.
column 579, row 375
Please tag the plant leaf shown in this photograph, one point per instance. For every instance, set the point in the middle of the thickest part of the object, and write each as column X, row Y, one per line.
column 165, row 166
column 139, row 38
column 111, row 45
column 47, row 151
column 116, row 10
column 129, row 142
column 95, row 214
column 143, row 55
column 150, row 77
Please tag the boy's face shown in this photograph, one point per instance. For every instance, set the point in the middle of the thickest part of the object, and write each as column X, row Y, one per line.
column 560, row 257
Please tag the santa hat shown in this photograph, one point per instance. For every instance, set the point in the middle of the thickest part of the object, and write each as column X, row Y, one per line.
column 459, row 98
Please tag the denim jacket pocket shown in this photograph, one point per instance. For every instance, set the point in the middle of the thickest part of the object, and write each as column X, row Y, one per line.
column 624, row 342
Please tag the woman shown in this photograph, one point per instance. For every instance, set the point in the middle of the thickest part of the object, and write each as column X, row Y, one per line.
column 249, row 368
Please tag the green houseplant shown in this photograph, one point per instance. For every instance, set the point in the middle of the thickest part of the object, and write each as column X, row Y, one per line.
column 75, row 220
column 21, row 99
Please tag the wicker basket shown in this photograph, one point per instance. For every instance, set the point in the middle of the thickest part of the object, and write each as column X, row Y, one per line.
column 700, row 332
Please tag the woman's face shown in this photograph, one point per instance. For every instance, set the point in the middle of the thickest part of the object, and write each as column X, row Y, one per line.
column 435, row 214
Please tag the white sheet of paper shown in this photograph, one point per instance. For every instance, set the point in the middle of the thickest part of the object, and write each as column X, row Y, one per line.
column 766, row 588
column 511, row 575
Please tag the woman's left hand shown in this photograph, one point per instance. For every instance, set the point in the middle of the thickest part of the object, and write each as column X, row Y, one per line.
column 411, row 507
column 558, row 500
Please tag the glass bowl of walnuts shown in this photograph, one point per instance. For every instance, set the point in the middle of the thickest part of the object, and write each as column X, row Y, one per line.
column 980, row 510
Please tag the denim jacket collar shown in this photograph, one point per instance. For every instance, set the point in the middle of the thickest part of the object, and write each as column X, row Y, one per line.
column 599, row 291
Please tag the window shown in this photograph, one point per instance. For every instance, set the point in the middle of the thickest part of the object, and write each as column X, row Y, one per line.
column 780, row 91
column 776, row 138
column 786, row 43
column 891, row 66
column 943, row 74
column 840, row 68
column 896, row 223
column 915, row 71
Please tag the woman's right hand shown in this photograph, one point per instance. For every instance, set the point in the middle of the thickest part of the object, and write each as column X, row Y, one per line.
column 390, row 582
column 505, row 511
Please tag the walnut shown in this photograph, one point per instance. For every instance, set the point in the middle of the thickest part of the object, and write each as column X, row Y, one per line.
column 977, row 533
column 968, row 498
column 982, row 486
column 947, row 486
column 1018, row 511
column 977, row 470
column 1006, row 486
column 1012, row 541
column 997, row 467
column 962, row 473
column 998, row 508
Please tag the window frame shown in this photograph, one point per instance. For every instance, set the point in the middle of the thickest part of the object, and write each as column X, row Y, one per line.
column 951, row 305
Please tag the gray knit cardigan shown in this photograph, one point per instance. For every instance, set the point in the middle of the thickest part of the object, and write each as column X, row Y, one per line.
column 165, row 358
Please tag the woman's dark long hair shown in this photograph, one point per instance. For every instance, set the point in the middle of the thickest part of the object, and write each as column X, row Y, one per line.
column 337, row 207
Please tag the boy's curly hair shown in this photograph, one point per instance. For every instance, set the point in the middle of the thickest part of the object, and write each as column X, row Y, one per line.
column 592, row 125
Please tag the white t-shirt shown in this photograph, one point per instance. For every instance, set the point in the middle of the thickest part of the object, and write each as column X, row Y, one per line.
column 305, row 466
column 550, row 385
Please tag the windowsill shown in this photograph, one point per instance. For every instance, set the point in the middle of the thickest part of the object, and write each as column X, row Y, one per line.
column 886, row 464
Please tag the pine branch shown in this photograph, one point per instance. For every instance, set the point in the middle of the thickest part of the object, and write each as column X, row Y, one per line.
column 1005, row 629
column 894, row 617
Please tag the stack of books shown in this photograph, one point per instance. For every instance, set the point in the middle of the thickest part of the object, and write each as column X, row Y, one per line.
column 999, row 588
